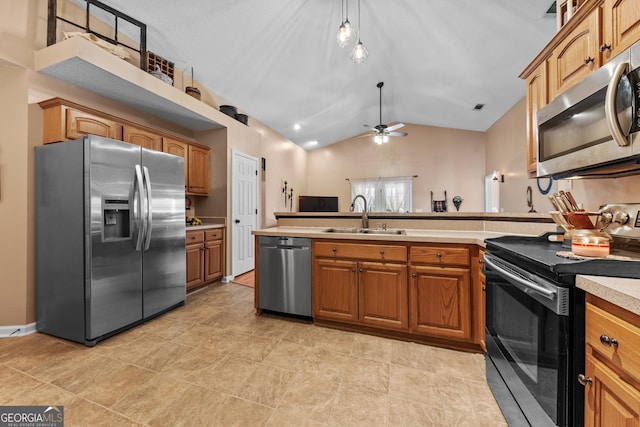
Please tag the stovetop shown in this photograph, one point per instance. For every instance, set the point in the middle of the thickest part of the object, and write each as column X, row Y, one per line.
column 539, row 255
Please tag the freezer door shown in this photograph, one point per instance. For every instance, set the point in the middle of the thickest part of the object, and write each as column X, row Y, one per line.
column 164, row 256
column 113, row 266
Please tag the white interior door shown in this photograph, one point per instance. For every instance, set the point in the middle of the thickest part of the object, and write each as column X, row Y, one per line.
column 244, row 214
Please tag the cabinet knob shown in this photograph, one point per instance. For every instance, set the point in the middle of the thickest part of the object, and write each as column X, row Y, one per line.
column 604, row 47
column 608, row 342
column 381, row 251
column 360, row 270
column 439, row 255
column 353, row 270
column 414, row 275
column 584, row 380
column 481, row 261
column 334, row 250
column 589, row 59
column 484, row 289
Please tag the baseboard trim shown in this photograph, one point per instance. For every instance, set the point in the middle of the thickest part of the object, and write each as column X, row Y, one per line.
column 17, row 330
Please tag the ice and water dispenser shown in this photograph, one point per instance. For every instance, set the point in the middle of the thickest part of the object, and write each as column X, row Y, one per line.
column 116, row 221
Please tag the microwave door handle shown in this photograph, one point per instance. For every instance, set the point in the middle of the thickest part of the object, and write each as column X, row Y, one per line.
column 610, row 105
column 138, row 188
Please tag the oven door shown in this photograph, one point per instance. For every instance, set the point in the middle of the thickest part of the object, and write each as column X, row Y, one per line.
column 527, row 328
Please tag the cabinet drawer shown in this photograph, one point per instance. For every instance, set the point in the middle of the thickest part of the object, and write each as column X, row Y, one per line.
column 439, row 255
column 602, row 325
column 195, row 237
column 215, row 234
column 361, row 251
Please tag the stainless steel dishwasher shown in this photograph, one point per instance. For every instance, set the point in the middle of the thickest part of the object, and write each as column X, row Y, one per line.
column 284, row 275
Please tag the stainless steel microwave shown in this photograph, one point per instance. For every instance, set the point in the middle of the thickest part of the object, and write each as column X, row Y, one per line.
column 591, row 130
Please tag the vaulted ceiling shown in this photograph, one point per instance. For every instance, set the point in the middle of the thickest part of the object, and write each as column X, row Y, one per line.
column 278, row 60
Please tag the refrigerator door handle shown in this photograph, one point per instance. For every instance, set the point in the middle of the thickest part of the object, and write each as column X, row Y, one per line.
column 149, row 217
column 139, row 212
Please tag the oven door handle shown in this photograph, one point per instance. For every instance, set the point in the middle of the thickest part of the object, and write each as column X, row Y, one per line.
column 549, row 294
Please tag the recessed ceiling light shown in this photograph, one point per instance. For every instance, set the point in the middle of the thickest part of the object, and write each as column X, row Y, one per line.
column 296, row 126
column 313, row 143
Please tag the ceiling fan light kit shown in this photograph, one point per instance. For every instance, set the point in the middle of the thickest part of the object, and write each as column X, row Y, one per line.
column 381, row 131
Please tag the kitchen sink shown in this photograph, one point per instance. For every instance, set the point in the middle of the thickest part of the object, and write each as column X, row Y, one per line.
column 365, row 231
column 382, row 231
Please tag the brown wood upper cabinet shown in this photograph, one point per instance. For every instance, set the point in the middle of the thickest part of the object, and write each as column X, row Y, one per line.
column 62, row 122
column 577, row 55
column 196, row 164
column 180, row 149
column 598, row 31
column 198, row 182
column 141, row 137
column 620, row 27
column 537, row 97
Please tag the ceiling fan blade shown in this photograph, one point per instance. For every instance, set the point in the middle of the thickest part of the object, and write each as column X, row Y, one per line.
column 396, row 126
column 397, row 134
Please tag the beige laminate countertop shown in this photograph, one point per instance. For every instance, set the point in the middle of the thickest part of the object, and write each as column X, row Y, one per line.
column 203, row 227
column 622, row 292
column 426, row 236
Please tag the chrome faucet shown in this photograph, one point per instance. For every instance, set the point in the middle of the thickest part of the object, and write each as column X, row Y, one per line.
column 365, row 218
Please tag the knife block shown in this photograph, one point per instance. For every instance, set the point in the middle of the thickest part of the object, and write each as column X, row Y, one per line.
column 579, row 219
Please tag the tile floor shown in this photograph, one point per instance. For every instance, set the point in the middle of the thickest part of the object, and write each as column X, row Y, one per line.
column 213, row 362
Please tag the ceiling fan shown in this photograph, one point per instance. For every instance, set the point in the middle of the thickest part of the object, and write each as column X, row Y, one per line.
column 383, row 132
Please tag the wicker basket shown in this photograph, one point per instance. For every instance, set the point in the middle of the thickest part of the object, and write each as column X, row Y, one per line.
column 155, row 63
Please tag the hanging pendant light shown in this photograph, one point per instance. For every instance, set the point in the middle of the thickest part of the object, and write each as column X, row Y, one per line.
column 346, row 32
column 359, row 53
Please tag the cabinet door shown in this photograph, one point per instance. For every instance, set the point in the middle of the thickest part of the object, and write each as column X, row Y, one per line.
column 195, row 267
column 537, row 97
column 440, row 302
column 609, row 400
column 80, row 124
column 212, row 260
column 383, row 296
column 577, row 56
column 178, row 148
column 142, row 138
column 621, row 26
column 198, row 182
column 335, row 290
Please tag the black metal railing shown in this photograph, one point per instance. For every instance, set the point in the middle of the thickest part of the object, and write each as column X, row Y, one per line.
column 53, row 17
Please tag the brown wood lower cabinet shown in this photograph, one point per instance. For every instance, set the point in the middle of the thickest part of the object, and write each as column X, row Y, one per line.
column 441, row 302
column 612, row 366
column 427, row 293
column 205, row 256
column 362, row 288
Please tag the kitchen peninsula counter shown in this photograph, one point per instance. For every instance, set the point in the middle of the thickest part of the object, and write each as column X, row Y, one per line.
column 413, row 235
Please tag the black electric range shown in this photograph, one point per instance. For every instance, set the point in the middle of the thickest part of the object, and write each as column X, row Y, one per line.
column 539, row 255
column 535, row 318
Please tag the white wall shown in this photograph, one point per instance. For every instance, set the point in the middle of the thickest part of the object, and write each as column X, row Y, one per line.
column 443, row 159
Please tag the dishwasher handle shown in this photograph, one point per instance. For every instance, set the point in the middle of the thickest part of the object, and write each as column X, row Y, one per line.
column 286, row 247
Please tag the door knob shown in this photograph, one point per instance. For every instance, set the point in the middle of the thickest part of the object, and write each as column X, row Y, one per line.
column 237, row 221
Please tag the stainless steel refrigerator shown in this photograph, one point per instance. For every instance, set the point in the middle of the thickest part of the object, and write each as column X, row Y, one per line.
column 110, row 237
